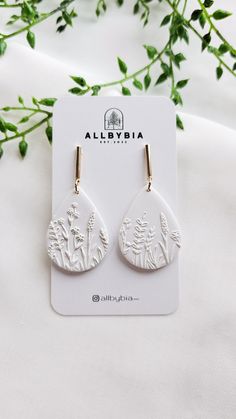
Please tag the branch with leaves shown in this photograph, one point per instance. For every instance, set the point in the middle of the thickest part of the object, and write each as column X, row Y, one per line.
column 163, row 66
column 28, row 14
column 32, row 117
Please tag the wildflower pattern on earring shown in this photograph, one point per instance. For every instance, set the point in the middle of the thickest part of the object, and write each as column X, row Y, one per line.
column 77, row 236
column 149, row 236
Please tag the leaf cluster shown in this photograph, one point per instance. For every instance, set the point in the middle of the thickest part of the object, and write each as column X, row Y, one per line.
column 165, row 65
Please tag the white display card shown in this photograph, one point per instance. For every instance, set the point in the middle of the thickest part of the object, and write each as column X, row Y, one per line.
column 113, row 172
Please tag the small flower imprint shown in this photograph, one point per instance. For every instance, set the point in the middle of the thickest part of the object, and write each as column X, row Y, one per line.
column 175, row 236
column 72, row 213
column 75, row 231
column 147, row 247
column 73, row 249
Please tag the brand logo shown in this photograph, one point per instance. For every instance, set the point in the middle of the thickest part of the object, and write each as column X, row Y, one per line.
column 113, row 119
column 113, row 298
column 95, row 298
column 113, row 129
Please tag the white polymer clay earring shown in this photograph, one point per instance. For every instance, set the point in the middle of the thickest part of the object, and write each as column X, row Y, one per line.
column 149, row 236
column 77, row 237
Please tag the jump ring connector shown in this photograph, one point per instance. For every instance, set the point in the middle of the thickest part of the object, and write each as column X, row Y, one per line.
column 77, row 182
column 149, row 185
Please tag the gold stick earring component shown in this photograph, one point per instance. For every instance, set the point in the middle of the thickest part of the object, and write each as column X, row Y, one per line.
column 149, row 167
column 78, row 168
column 77, row 238
column 149, row 236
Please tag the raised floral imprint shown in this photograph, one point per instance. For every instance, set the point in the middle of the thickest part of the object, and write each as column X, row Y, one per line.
column 144, row 246
column 74, row 249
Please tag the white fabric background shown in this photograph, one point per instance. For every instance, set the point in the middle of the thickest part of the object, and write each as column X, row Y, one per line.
column 175, row 367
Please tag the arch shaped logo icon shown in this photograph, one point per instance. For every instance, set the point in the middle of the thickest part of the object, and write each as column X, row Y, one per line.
column 113, row 119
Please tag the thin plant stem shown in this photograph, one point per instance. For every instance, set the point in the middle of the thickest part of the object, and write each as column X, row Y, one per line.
column 138, row 72
column 184, row 7
column 5, row 6
column 22, row 134
column 19, row 108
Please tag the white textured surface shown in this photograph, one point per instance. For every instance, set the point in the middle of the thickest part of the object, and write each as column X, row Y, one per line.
column 173, row 367
column 149, row 236
column 77, row 235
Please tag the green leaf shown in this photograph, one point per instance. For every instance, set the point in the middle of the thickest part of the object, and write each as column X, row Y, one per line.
column 221, row 14
column 208, row 3
column 166, row 69
column 23, row 146
column 67, row 18
column 163, row 77
column 10, row 127
column 27, row 11
column 179, row 122
column 185, row 36
column 2, row 125
column 95, row 90
column 76, row 91
column 151, row 51
column 61, row 28
column 223, row 48
column 1, row 151
column 23, row 120
column 79, row 80
column 73, row 13
column 136, row 8
column 35, row 101
column 202, row 20
column 166, row 20
column 12, row 19
column 196, row 14
column 21, row 100
column 48, row 132
column 138, row 84
column 59, row 19
column 147, row 81
column 182, row 83
column 178, row 58
column 206, row 40
column 169, row 53
column 213, row 50
column 234, row 67
column 48, row 101
column 176, row 97
column 6, row 109
column 219, row 72
column 181, row 32
column 122, row 66
column 126, row 91
column 3, row 47
column 31, row 39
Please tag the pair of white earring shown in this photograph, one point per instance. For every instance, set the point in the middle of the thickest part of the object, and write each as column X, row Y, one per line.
column 149, row 236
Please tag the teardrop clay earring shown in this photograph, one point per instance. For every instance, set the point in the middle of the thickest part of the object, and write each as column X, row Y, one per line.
column 149, row 236
column 77, row 236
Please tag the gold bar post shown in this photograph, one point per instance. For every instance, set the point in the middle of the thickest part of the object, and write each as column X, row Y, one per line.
column 149, row 166
column 78, row 168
